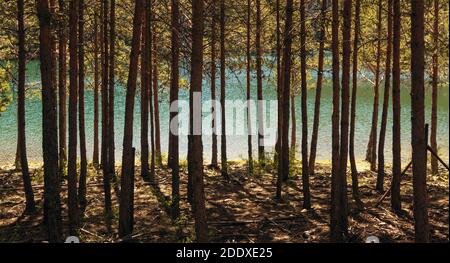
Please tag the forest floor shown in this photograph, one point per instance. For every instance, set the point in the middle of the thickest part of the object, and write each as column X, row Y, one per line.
column 240, row 210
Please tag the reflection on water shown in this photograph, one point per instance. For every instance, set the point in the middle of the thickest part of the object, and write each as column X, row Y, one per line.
column 236, row 145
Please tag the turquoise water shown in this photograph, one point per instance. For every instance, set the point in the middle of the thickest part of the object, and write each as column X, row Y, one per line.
column 236, row 143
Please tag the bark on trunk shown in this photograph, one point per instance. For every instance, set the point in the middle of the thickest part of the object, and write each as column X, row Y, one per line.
column 259, row 84
column 354, row 170
column 95, row 154
column 73, row 99
column 112, row 53
column 435, row 81
column 105, row 133
column 127, row 178
column 158, row 157
column 315, row 131
column 396, row 107
column 419, row 144
column 196, row 157
column 372, row 145
column 83, row 159
column 387, row 86
column 336, row 189
column 345, row 97
column 283, row 156
column 223, row 137
column 304, row 105
column 29, row 196
column 173, row 132
column 145, row 78
column 62, row 75
column 52, row 200
column 248, row 79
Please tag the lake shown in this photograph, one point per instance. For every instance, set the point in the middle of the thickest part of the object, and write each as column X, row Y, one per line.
column 236, row 144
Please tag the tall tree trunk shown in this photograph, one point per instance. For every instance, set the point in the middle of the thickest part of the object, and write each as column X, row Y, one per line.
column 95, row 159
column 105, row 133
column 336, row 187
column 345, row 97
column 196, row 158
column 315, row 131
column 83, row 159
column 152, row 115
column 396, row 108
column 372, row 145
column 223, row 137
column 279, row 83
column 29, row 196
column 213, row 85
column 52, row 199
column 145, row 78
column 283, row 156
column 173, row 131
column 304, row 105
column 73, row 98
column 387, row 85
column 248, row 79
column 127, row 178
column 112, row 54
column 354, row 170
column 158, row 157
column 435, row 81
column 62, row 72
column 259, row 84
column 419, row 144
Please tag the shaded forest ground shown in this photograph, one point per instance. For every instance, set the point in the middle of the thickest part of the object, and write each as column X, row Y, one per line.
column 242, row 210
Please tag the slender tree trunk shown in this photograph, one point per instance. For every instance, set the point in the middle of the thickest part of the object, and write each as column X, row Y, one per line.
column 196, row 158
column 336, row 188
column 387, row 85
column 213, row 85
column 248, row 78
column 145, row 78
column 419, row 144
column 396, row 108
column 73, row 98
column 435, row 81
column 111, row 79
column 283, row 156
column 53, row 41
column 95, row 154
column 304, row 105
column 105, row 133
column 173, row 131
column 62, row 72
column 372, row 145
column 354, row 170
column 315, row 131
column 259, row 84
column 152, row 114
column 158, row 157
column 279, row 82
column 52, row 190
column 83, row 159
column 223, row 146
column 127, row 178
column 345, row 97
column 29, row 196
